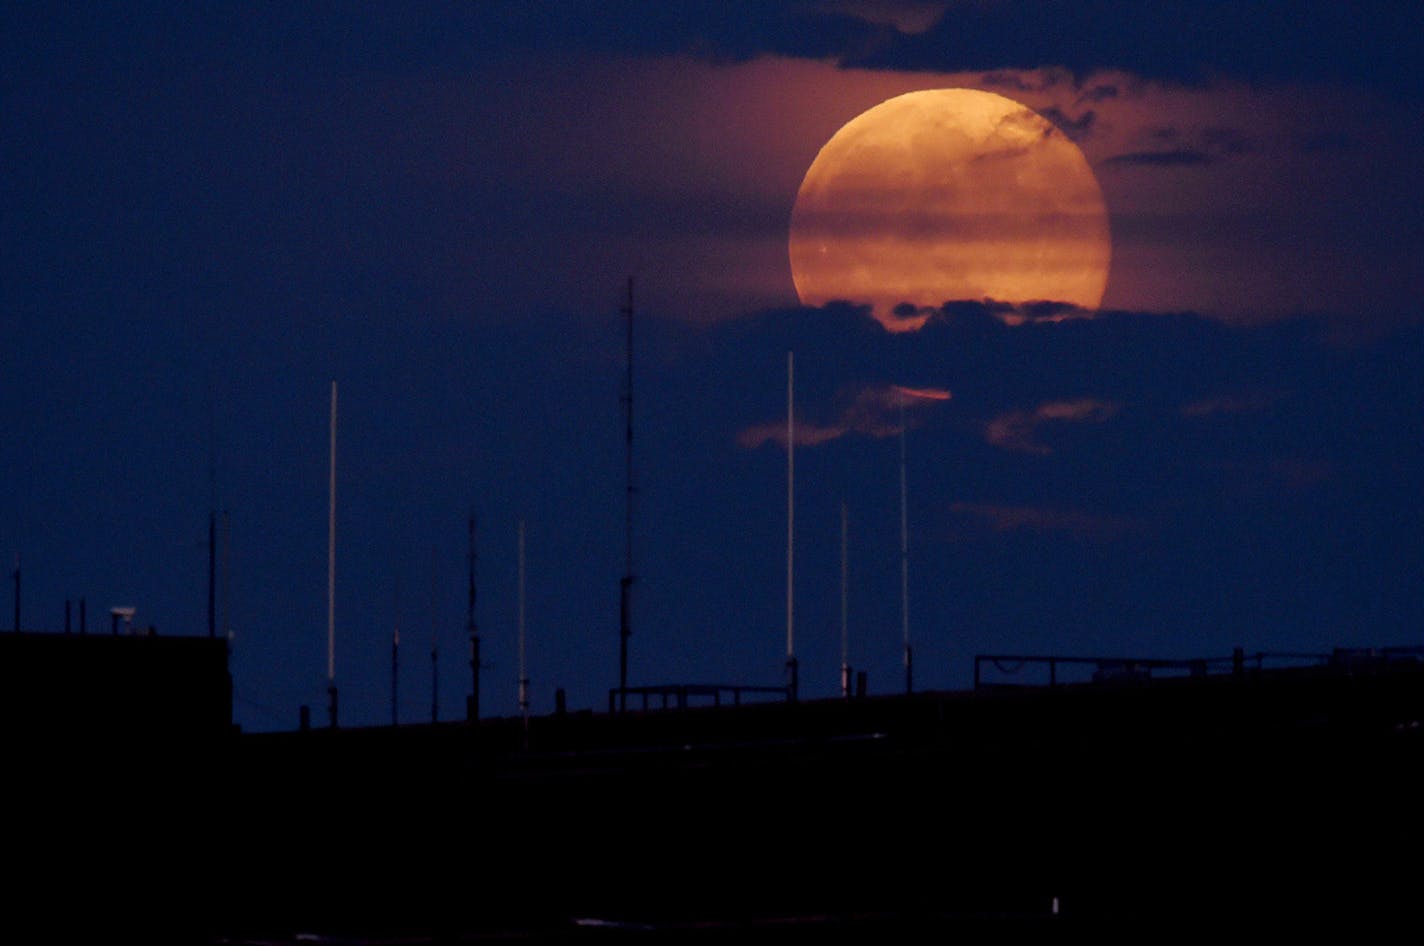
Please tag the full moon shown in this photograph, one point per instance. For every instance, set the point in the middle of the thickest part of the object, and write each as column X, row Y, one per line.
column 947, row 195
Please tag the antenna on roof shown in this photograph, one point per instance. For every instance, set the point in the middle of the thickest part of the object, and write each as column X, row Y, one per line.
column 625, row 585
column 212, row 572
column 472, row 708
column 845, row 613
column 395, row 658
column 212, row 519
column 434, row 647
column 226, row 573
column 791, row 667
column 331, row 572
column 523, row 671
column 905, row 561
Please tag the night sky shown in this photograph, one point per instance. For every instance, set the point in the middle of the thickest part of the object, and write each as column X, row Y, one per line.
column 210, row 216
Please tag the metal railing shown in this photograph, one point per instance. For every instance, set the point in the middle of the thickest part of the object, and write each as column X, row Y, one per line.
column 1126, row 669
column 683, row 695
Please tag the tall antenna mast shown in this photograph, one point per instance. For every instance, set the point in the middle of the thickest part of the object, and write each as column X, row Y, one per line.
column 226, row 572
column 625, row 585
column 395, row 657
column 331, row 572
column 434, row 646
column 523, row 671
column 905, row 560
column 472, row 709
column 791, row 668
column 845, row 612
column 212, row 572
column 212, row 520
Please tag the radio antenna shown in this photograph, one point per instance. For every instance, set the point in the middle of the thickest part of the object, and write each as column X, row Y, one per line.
column 625, row 585
column 331, row 572
column 791, row 667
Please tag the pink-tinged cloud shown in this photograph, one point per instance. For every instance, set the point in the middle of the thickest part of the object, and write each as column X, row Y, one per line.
column 1008, row 519
column 875, row 411
column 927, row 394
column 1016, row 430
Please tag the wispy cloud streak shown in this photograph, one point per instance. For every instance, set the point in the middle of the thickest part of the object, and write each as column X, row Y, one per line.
column 875, row 411
column 1017, row 430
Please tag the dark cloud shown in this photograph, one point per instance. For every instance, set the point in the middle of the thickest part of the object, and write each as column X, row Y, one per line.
column 1377, row 42
column 1099, row 93
column 1077, row 129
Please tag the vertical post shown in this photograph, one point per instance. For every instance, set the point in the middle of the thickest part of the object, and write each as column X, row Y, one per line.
column 791, row 669
column 16, row 625
column 472, row 708
column 83, row 615
column 625, row 586
column 395, row 647
column 212, row 572
column 225, row 571
column 395, row 675
column 905, row 560
column 434, row 646
column 331, row 571
column 845, row 611
column 524, row 680
column 212, row 513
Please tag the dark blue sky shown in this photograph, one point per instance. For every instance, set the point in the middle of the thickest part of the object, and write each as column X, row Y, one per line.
column 209, row 217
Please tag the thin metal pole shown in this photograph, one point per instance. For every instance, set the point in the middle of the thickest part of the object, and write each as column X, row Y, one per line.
column 625, row 586
column 791, row 668
column 523, row 669
column 845, row 611
column 212, row 517
column 395, row 650
column 212, row 573
column 434, row 645
column 226, row 572
column 17, row 592
column 472, row 711
column 905, row 559
column 331, row 570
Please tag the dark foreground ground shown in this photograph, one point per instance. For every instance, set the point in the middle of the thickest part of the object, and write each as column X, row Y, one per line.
column 1286, row 801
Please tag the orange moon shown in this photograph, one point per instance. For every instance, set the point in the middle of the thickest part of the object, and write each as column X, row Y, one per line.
column 945, row 195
